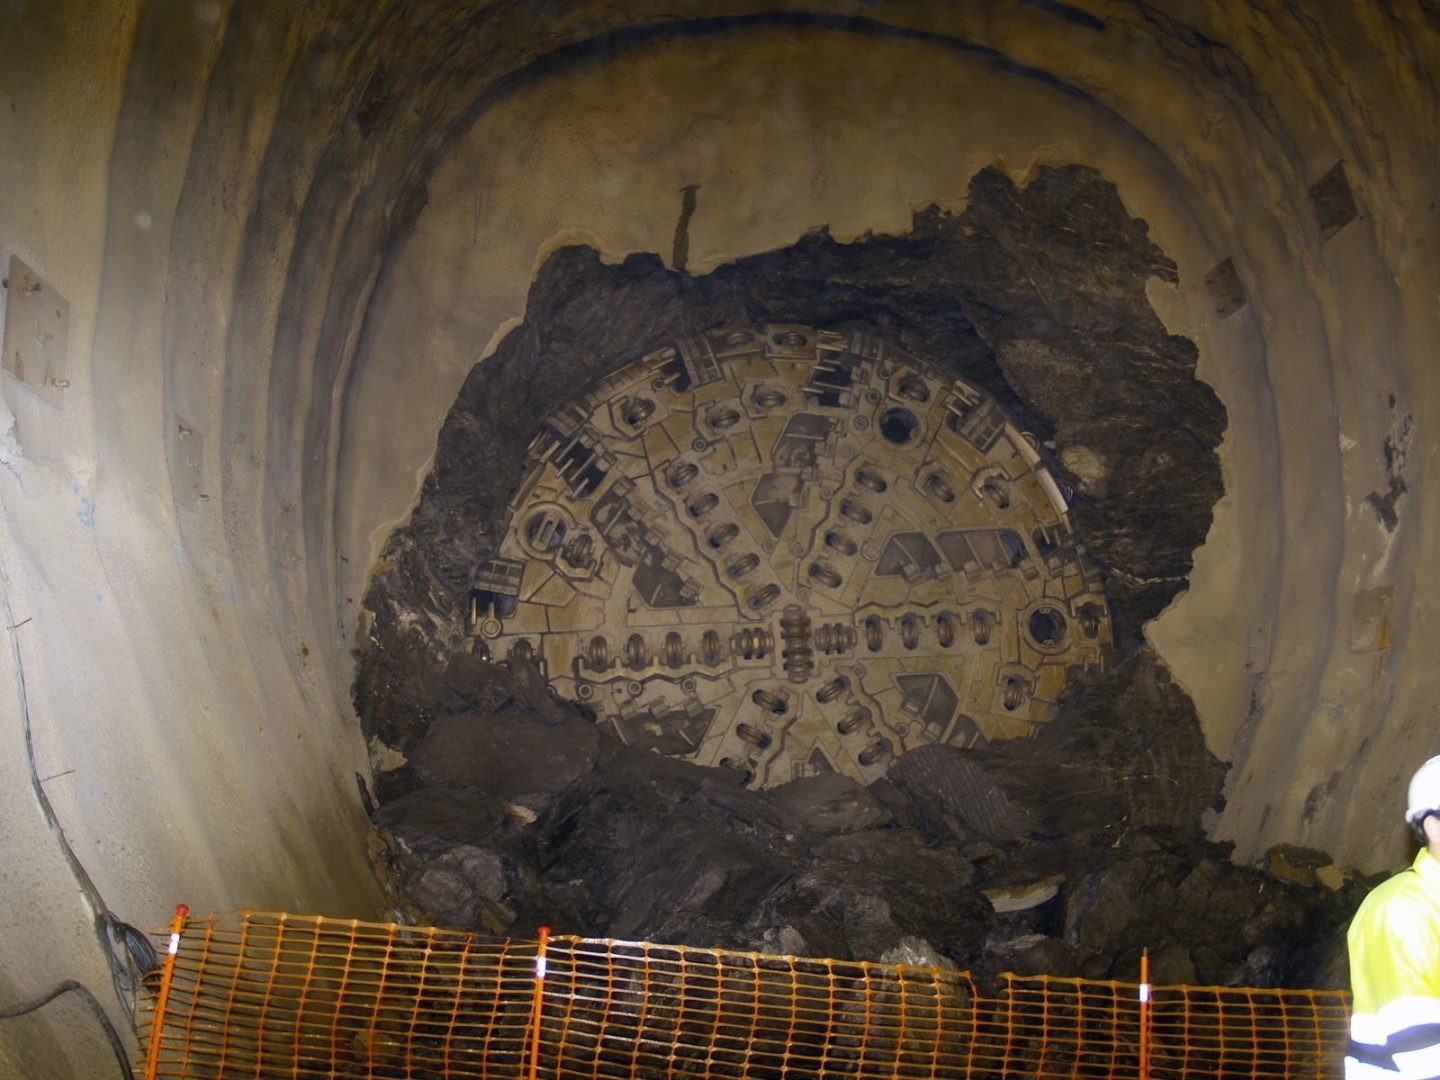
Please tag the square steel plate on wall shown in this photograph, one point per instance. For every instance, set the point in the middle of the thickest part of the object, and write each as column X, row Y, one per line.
column 1334, row 202
column 37, row 331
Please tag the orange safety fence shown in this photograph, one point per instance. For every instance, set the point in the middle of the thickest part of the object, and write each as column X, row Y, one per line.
column 270, row 995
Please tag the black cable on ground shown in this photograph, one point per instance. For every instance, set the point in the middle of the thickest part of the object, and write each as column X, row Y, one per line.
column 122, row 1058
column 128, row 952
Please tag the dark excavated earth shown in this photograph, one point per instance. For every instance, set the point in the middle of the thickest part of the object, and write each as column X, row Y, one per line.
column 1067, row 854
column 1045, row 856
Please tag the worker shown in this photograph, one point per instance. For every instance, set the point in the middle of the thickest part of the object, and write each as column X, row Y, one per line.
column 1394, row 943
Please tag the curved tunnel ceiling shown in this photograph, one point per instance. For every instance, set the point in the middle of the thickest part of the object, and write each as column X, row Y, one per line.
column 245, row 217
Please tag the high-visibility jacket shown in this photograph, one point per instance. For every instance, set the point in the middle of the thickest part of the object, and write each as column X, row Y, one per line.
column 1394, row 943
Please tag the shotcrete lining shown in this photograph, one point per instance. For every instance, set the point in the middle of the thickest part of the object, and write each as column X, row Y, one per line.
column 1244, row 105
column 267, row 224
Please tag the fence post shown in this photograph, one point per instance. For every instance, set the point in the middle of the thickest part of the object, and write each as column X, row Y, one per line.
column 162, row 997
column 538, row 1002
column 1144, row 1014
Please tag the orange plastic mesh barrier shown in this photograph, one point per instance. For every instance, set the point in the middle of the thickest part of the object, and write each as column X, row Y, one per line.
column 266, row 995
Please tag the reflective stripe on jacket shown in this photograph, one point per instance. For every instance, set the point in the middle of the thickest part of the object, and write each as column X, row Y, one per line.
column 1394, row 943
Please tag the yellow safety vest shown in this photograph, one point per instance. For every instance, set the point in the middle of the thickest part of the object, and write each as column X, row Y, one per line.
column 1394, row 943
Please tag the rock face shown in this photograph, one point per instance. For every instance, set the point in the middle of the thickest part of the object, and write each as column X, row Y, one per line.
column 518, row 813
column 1067, row 853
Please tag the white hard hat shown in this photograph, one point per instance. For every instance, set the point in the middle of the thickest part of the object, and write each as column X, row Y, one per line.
column 1424, row 791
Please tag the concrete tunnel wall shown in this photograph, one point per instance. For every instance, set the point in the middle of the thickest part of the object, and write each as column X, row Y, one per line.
column 291, row 229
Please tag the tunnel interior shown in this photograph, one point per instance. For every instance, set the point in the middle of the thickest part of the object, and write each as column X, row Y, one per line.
column 291, row 293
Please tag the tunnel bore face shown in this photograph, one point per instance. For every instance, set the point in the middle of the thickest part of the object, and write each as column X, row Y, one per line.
column 787, row 551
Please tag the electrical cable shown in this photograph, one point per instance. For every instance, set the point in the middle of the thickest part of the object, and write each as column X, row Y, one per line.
column 128, row 952
column 97, row 1010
